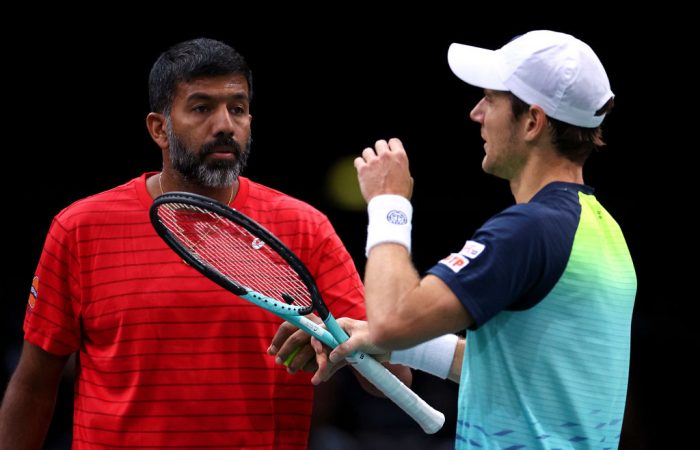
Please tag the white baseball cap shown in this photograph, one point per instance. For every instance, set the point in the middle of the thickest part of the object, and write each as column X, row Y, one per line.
column 555, row 71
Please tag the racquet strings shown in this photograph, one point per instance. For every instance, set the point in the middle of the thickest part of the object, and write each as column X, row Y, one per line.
column 234, row 252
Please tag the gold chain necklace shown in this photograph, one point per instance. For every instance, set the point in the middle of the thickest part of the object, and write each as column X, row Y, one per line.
column 160, row 183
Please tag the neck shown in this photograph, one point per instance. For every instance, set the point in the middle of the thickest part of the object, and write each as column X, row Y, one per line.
column 168, row 182
column 539, row 172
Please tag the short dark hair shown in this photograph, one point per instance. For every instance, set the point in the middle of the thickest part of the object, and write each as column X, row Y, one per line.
column 189, row 60
column 575, row 143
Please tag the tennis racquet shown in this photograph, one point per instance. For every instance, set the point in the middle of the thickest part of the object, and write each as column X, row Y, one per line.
column 243, row 257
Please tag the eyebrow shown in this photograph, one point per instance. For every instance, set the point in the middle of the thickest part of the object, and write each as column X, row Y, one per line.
column 206, row 97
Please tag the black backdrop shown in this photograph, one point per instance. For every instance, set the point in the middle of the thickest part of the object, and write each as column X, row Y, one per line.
column 76, row 100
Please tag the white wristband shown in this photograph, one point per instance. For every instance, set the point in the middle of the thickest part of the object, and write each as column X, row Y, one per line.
column 434, row 356
column 389, row 221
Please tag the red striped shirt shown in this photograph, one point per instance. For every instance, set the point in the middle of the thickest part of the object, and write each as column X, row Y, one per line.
column 167, row 358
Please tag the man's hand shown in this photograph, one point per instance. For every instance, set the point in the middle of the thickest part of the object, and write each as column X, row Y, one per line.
column 330, row 361
column 290, row 339
column 384, row 170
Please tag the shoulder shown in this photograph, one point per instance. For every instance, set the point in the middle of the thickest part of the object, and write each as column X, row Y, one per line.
column 303, row 228
column 283, row 206
column 553, row 208
column 102, row 206
column 526, row 218
column 548, row 222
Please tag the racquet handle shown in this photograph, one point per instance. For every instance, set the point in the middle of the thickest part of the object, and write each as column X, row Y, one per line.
column 429, row 419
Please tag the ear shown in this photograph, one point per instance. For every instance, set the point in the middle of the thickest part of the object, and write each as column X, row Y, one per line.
column 535, row 123
column 155, row 122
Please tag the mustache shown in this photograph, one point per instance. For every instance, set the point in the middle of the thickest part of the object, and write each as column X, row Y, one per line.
column 222, row 141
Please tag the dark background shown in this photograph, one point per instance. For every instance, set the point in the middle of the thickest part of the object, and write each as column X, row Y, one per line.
column 76, row 101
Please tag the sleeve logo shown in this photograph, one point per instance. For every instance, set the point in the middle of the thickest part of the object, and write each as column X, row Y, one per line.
column 34, row 292
column 455, row 261
column 472, row 249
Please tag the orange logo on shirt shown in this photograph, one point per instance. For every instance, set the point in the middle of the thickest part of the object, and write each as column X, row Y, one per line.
column 34, row 292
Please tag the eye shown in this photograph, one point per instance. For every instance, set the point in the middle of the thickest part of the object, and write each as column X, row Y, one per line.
column 200, row 108
column 238, row 110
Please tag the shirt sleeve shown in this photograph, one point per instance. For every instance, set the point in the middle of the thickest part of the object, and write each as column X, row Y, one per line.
column 507, row 264
column 52, row 316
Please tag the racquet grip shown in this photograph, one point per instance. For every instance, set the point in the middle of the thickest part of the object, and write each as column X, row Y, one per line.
column 429, row 419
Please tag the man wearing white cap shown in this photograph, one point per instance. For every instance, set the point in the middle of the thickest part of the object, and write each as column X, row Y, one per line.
column 545, row 288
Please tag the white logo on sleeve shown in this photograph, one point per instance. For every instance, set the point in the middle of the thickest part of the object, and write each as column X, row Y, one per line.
column 456, row 262
column 472, row 249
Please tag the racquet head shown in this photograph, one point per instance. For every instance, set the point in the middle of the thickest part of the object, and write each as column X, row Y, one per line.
column 235, row 251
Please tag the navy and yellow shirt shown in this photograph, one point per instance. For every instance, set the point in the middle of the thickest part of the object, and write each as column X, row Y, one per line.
column 551, row 285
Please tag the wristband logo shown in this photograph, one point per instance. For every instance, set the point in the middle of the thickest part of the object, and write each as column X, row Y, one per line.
column 397, row 217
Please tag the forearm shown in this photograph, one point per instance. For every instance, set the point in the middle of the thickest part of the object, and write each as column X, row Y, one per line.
column 389, row 276
column 402, row 309
column 30, row 398
column 25, row 416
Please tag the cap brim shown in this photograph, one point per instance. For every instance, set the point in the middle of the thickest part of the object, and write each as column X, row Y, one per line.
column 476, row 66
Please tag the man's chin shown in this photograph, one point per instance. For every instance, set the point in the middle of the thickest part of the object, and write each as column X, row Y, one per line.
column 219, row 178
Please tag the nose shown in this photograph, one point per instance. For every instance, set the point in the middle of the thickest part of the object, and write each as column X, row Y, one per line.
column 223, row 122
column 477, row 113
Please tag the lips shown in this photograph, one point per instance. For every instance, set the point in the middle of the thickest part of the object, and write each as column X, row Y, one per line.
column 221, row 151
column 224, row 149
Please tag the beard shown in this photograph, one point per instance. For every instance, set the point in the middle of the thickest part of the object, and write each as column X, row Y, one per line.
column 193, row 165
